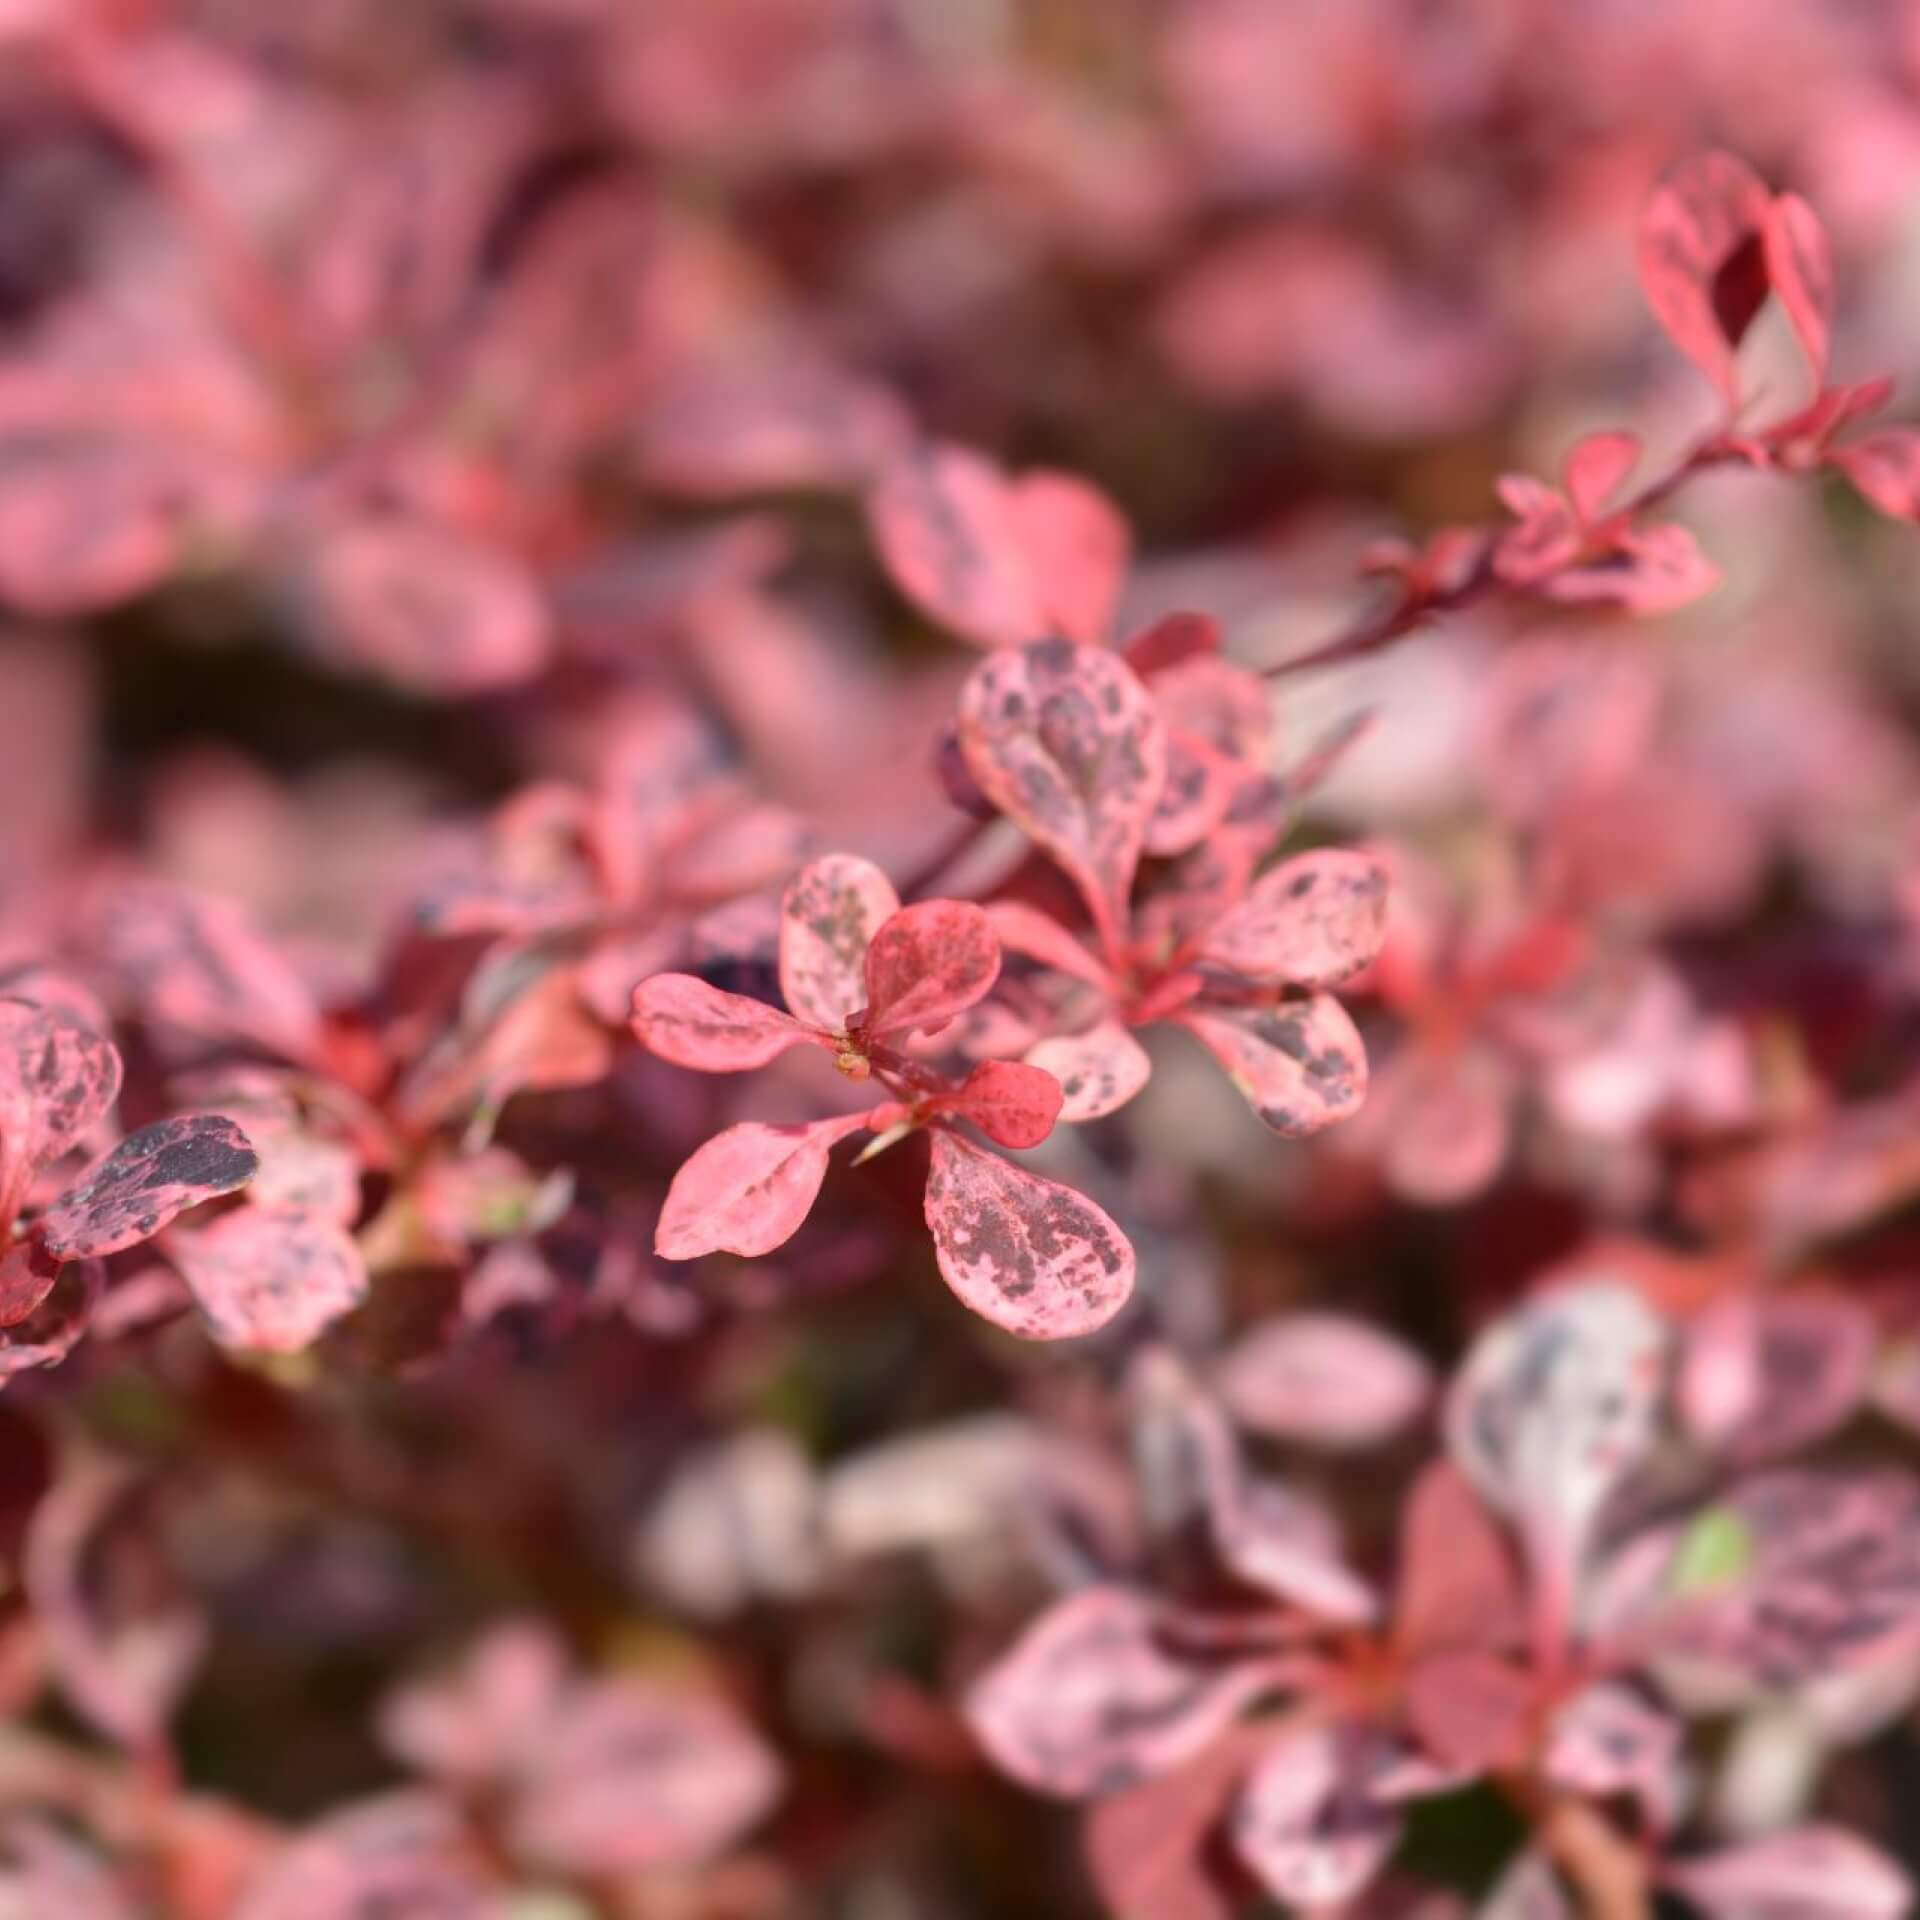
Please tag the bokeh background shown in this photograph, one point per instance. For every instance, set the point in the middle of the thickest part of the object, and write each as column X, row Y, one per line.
column 408, row 405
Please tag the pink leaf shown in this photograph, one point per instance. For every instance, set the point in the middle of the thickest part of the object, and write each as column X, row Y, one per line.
column 1445, row 1118
column 1147, row 1845
column 408, row 1851
column 947, row 528
column 1011, row 1103
column 27, row 1275
column 44, row 1872
column 1037, row 1259
column 1763, row 1377
column 1099, row 1070
column 1196, row 793
column 1313, row 921
column 1800, row 267
column 1808, row 1873
column 1299, row 1065
column 1090, row 1699
column 1596, row 469
column 828, row 917
column 1652, row 570
column 59, row 1074
column 1792, row 1575
column 1323, row 1380
column 1076, row 545
column 1609, row 1740
column 1884, row 469
column 1039, row 936
column 146, row 1182
column 1701, row 262
column 1553, row 1407
column 199, row 965
column 426, row 608
column 1528, row 1890
column 1065, row 742
column 1305, row 1821
column 270, row 1280
column 748, row 1189
column 928, row 963
column 684, row 1020
column 629, row 1776
column 472, row 1724
column 1547, row 538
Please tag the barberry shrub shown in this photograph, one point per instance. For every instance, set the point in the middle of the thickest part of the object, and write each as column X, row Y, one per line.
column 955, row 961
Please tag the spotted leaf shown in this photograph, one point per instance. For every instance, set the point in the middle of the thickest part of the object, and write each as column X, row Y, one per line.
column 146, row 1182
column 1065, row 742
column 1099, row 1070
column 828, row 917
column 926, row 964
column 1092, row 1699
column 1305, row 1821
column 1764, row 1377
column 1037, row 1259
column 1300, row 1065
column 1313, row 921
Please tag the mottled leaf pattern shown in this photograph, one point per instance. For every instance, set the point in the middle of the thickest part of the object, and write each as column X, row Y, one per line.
column 1091, row 1699
column 1065, row 741
column 1807, row 1873
column 928, row 963
column 1037, row 1259
column 1299, row 1065
column 1313, row 921
column 1099, row 1070
column 1306, row 1822
column 828, row 915
column 146, row 1182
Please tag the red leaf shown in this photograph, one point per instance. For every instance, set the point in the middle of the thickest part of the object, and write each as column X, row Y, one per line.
column 1077, row 546
column 1470, row 1709
column 1458, row 1586
column 1547, row 538
column 1305, row 1821
column 1323, row 1380
column 684, row 1020
column 928, row 963
column 828, row 917
column 1173, row 638
column 1099, row 1070
column 1700, row 262
column 1013, row 1104
column 270, row 1280
column 1039, row 936
column 1147, row 1846
column 1596, row 469
column 748, row 1189
column 1065, row 742
column 1884, row 469
column 1300, row 1065
column 147, row 1181
column 1313, row 921
column 1037, row 1259
column 1090, row 1701
column 426, row 608
column 1800, row 267
column 27, row 1275
column 947, row 528
column 1809, row 1873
